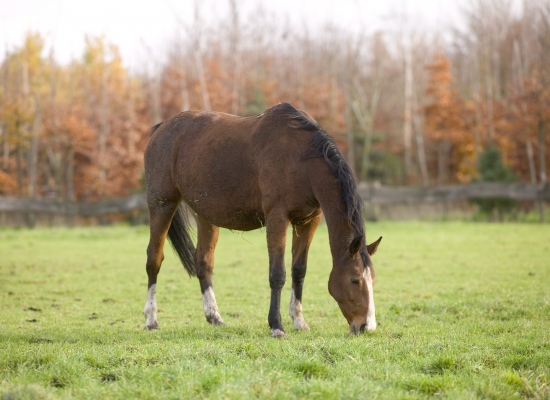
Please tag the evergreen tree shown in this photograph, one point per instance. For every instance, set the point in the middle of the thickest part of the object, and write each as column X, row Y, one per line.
column 491, row 168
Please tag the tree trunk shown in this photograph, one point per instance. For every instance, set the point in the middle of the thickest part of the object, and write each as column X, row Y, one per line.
column 518, row 66
column 31, row 166
column 407, row 117
column 443, row 148
column 70, row 172
column 155, row 100
column 70, row 178
column 366, row 142
column 533, row 175
column 185, row 103
column 235, row 48
column 477, row 103
column 56, row 165
column 33, row 151
column 333, row 97
column 6, row 153
column 419, row 138
column 103, row 132
column 301, row 84
column 496, row 74
column 421, row 150
column 542, row 152
column 4, row 136
column 490, row 96
column 235, row 96
column 131, row 118
column 366, row 122
column 56, row 157
column 543, row 177
column 202, row 80
column 19, row 167
column 4, row 126
column 350, row 137
column 531, row 158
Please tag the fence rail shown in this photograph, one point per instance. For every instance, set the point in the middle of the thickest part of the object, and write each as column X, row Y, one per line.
column 374, row 194
column 411, row 195
column 76, row 208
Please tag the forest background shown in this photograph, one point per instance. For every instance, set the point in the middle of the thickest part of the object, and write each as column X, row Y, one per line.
column 406, row 106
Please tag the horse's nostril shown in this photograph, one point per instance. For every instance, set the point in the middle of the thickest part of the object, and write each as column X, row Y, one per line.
column 362, row 328
column 354, row 329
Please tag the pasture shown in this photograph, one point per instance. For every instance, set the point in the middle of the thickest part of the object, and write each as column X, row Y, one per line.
column 463, row 312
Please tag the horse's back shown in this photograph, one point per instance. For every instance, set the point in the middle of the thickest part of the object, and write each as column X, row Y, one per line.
column 231, row 170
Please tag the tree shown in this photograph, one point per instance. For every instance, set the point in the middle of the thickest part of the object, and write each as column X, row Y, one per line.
column 491, row 168
column 445, row 124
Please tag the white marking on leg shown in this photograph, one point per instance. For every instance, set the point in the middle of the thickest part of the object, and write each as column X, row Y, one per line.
column 151, row 309
column 277, row 333
column 371, row 316
column 295, row 312
column 211, row 307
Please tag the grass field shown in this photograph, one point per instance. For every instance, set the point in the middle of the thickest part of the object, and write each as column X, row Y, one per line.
column 463, row 312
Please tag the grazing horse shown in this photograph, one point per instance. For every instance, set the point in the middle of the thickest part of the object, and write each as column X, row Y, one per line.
column 243, row 173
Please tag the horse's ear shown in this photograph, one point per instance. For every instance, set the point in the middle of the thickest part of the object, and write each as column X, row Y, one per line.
column 355, row 245
column 371, row 248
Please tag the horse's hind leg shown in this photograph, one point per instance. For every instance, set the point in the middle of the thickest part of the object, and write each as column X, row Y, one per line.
column 207, row 238
column 302, row 236
column 161, row 213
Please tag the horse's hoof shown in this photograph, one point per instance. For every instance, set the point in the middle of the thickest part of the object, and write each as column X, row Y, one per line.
column 300, row 326
column 277, row 333
column 215, row 320
column 151, row 327
column 303, row 327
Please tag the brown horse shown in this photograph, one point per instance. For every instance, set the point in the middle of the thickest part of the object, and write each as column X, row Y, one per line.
column 274, row 169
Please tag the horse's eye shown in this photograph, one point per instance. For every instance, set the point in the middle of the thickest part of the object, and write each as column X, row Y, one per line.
column 355, row 281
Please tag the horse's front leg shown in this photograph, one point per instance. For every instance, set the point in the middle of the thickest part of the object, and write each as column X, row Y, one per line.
column 276, row 226
column 207, row 238
column 302, row 235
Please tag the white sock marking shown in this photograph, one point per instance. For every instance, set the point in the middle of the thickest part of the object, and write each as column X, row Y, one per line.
column 277, row 333
column 295, row 312
column 151, row 309
column 211, row 307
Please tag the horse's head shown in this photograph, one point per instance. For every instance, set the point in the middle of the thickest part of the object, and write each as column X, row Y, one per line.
column 350, row 284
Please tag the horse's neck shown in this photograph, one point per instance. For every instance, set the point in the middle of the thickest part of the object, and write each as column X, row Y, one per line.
column 339, row 228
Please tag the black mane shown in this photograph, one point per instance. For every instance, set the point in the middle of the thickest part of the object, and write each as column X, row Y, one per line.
column 323, row 145
column 297, row 119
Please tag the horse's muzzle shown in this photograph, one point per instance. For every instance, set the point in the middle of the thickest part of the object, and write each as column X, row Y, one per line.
column 353, row 329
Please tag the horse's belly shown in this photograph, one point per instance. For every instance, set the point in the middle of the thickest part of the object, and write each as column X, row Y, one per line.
column 243, row 220
column 239, row 220
column 228, row 211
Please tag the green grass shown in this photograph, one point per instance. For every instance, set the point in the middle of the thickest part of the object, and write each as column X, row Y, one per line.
column 464, row 312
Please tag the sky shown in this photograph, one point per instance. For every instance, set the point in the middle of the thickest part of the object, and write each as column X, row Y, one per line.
column 141, row 27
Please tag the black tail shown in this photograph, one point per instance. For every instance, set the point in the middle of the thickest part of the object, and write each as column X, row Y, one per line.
column 181, row 240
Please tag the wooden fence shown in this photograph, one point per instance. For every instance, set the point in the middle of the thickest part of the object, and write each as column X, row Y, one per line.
column 410, row 195
column 74, row 208
column 371, row 194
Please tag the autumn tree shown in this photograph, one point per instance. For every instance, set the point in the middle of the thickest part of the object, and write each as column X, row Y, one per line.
column 78, row 131
column 445, row 125
column 73, row 131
